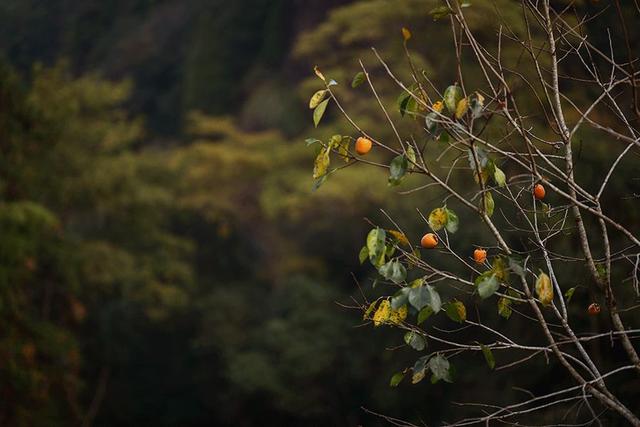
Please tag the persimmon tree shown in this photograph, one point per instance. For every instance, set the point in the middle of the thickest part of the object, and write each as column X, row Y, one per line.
column 502, row 150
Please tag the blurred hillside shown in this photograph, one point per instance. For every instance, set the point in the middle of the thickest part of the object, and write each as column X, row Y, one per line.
column 163, row 260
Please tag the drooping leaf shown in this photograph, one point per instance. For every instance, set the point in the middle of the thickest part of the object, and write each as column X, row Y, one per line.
column 488, row 204
column 544, row 289
column 499, row 268
column 419, row 370
column 343, row 149
column 488, row 356
column 431, row 122
column 369, row 310
column 424, row 314
column 319, row 112
column 437, row 219
column 487, row 284
column 394, row 271
column 456, row 311
column 462, row 108
column 399, row 237
column 569, row 294
column 311, row 141
column 426, row 295
column 358, row 79
column 406, row 34
column 396, row 379
column 440, row 368
column 376, row 246
column 504, row 307
column 476, row 103
column 321, row 163
column 499, row 177
column 363, row 255
column 318, row 182
column 415, row 340
column 411, row 158
column 452, row 221
column 516, row 265
column 397, row 169
column 400, row 298
column 317, row 98
column 452, row 96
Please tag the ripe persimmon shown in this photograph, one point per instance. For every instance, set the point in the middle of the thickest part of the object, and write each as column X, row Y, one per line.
column 594, row 308
column 480, row 255
column 539, row 191
column 429, row 241
column 363, row 145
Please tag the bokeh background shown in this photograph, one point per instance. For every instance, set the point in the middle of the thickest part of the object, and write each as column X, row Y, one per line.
column 163, row 260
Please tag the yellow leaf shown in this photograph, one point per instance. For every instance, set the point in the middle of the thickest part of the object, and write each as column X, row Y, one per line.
column 461, row 109
column 437, row 219
column 317, row 98
column 438, row 106
column 382, row 313
column 406, row 34
column 397, row 316
column 544, row 289
column 321, row 163
column 400, row 237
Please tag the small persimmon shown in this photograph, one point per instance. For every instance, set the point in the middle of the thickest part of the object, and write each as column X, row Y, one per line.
column 539, row 191
column 363, row 145
column 594, row 309
column 480, row 255
column 429, row 241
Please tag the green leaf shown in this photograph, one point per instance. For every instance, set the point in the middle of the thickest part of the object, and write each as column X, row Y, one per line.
column 394, row 271
column 400, row 298
column 437, row 219
column 369, row 310
column 343, row 149
column 439, row 12
column 424, row 314
column 440, row 368
column 415, row 340
column 499, row 268
column 487, row 284
column 452, row 96
column 488, row 204
column 516, row 265
column 319, row 112
column 456, row 311
column 411, row 158
column 358, row 79
column 452, row 221
column 396, row 379
column 318, row 182
column 311, row 141
column 397, row 169
column 317, row 98
column 504, row 307
column 376, row 246
column 363, row 255
column 569, row 294
column 488, row 356
column 499, row 177
column 321, row 163
column 431, row 122
column 422, row 296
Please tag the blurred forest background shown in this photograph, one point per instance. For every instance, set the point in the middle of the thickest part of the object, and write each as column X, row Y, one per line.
column 163, row 260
